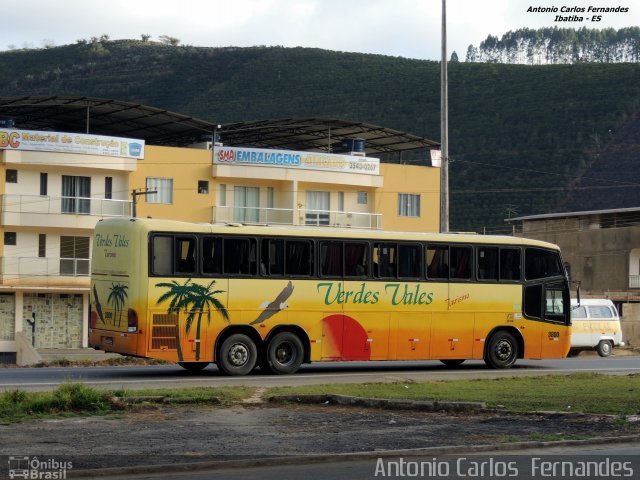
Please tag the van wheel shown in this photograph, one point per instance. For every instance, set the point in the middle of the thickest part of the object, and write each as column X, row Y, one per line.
column 452, row 363
column 237, row 355
column 502, row 350
column 604, row 348
column 284, row 353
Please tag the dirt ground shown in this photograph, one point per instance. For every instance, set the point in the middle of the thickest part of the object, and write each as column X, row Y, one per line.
column 170, row 434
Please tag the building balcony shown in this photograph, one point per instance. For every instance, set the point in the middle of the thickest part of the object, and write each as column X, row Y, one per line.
column 301, row 216
column 634, row 281
column 63, row 212
column 45, row 271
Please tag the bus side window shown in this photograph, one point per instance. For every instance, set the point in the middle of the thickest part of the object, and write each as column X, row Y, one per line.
column 460, row 262
column 240, row 256
column 438, row 262
column 211, row 255
column 487, row 263
column 185, row 255
column 510, row 264
column 384, row 260
column 409, row 261
column 162, row 251
column 272, row 257
column 299, row 257
column 356, row 259
column 533, row 301
column 331, row 259
column 540, row 263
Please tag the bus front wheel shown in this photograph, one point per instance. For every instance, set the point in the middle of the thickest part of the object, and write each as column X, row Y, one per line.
column 284, row 353
column 502, row 350
column 237, row 355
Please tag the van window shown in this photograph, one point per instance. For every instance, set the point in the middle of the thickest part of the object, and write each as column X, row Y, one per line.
column 580, row 312
column 600, row 311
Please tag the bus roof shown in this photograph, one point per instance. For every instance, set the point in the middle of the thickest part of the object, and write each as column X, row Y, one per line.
column 164, row 225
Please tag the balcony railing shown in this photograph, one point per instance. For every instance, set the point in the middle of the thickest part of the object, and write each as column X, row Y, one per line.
column 44, row 267
column 340, row 219
column 634, row 281
column 65, row 205
column 287, row 216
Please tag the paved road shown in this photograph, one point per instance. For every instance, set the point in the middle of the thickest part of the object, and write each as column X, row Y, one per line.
column 320, row 373
column 538, row 463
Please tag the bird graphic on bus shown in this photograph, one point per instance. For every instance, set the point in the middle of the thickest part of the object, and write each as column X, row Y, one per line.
column 277, row 305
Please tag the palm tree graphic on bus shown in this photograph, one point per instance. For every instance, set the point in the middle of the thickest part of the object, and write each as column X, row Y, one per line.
column 195, row 300
column 117, row 297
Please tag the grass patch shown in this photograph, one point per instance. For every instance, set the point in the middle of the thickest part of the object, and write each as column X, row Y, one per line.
column 77, row 399
column 122, row 360
column 580, row 392
column 226, row 395
column 67, row 399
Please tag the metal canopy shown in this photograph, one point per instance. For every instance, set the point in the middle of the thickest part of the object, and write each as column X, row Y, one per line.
column 156, row 126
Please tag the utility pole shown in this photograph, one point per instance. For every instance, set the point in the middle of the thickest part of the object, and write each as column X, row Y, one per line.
column 134, row 195
column 444, row 128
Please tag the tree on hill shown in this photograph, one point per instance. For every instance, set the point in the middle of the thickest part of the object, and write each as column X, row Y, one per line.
column 555, row 45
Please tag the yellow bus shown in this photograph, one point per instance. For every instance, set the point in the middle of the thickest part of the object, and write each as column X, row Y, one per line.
column 276, row 297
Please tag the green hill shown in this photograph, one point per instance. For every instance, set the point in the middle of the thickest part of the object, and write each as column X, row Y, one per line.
column 519, row 135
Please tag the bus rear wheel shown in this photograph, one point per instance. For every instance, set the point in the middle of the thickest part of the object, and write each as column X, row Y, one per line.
column 193, row 366
column 284, row 353
column 502, row 350
column 237, row 355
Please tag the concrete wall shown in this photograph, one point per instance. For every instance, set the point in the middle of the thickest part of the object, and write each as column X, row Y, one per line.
column 630, row 321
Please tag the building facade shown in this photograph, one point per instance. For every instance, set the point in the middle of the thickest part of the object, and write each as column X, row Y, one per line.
column 601, row 250
column 54, row 187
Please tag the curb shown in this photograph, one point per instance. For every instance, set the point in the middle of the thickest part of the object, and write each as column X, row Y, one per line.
column 341, row 457
column 420, row 405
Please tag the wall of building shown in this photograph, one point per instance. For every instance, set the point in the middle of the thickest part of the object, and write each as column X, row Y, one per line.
column 424, row 181
column 185, row 166
column 598, row 257
column 630, row 322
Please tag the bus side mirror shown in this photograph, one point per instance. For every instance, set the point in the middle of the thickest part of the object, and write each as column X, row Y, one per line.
column 577, row 293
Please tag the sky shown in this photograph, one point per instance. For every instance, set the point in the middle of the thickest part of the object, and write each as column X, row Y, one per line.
column 405, row 28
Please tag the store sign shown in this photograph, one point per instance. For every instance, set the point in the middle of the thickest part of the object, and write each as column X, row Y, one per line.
column 298, row 160
column 29, row 140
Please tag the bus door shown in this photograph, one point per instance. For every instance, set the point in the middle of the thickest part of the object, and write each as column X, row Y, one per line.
column 556, row 311
column 547, row 303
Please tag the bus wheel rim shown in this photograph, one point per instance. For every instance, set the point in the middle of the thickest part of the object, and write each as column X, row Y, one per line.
column 285, row 353
column 238, row 354
column 503, row 350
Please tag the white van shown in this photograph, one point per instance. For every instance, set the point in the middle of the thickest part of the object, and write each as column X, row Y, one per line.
column 595, row 325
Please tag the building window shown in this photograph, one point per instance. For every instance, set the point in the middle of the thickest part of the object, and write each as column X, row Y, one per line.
column 203, row 186
column 163, row 188
column 108, row 188
column 11, row 176
column 270, row 197
column 341, row 201
column 10, row 238
column 75, row 194
column 317, row 212
column 408, row 205
column 42, row 245
column 362, row 198
column 246, row 204
column 74, row 255
column 44, row 183
column 223, row 195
